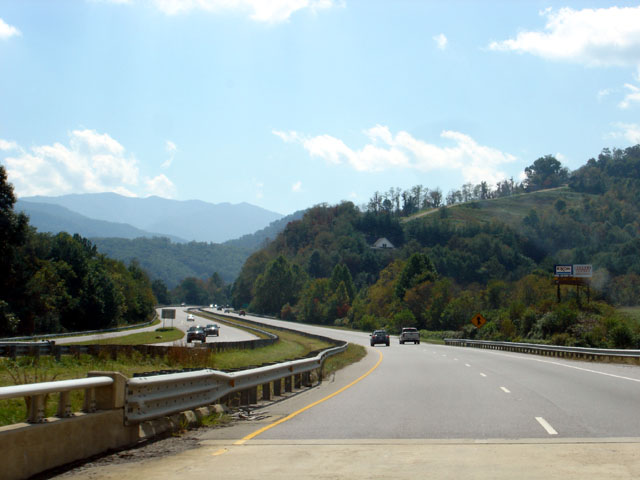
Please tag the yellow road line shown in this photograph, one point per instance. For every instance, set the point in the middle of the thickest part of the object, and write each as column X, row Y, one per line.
column 219, row 452
column 290, row 416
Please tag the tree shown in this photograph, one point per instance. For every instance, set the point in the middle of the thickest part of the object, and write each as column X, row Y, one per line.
column 274, row 287
column 161, row 292
column 545, row 172
column 13, row 234
column 417, row 270
column 341, row 274
column 436, row 197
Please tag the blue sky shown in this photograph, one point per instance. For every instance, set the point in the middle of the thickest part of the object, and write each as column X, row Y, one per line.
column 289, row 103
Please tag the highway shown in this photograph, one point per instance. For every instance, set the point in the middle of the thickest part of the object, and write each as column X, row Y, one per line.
column 227, row 334
column 430, row 411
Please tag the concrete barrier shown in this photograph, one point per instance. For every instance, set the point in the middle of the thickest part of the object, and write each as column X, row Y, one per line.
column 31, row 448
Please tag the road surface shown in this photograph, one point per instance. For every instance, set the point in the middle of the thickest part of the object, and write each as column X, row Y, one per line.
column 429, row 411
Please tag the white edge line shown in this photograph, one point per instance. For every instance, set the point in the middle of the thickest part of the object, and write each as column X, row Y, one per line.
column 550, row 430
column 505, row 390
column 565, row 365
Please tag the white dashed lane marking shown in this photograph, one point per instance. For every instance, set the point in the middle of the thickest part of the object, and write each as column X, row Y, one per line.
column 550, row 430
column 505, row 390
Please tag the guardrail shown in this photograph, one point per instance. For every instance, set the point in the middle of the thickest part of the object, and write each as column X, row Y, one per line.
column 594, row 354
column 35, row 338
column 162, row 395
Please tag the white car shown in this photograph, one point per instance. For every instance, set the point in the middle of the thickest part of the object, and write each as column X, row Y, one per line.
column 191, row 318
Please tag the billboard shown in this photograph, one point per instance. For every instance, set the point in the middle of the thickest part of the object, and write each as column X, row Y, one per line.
column 575, row 271
column 583, row 271
column 169, row 313
column 563, row 271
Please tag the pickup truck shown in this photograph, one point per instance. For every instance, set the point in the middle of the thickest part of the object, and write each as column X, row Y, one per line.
column 409, row 334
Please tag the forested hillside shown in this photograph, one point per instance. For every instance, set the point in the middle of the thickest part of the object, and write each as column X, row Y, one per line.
column 477, row 250
column 52, row 283
column 172, row 262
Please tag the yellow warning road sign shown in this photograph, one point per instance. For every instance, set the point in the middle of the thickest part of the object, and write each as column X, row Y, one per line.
column 478, row 320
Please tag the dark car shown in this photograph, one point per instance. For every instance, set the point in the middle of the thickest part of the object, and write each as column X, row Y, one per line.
column 212, row 330
column 379, row 336
column 196, row 333
column 242, row 313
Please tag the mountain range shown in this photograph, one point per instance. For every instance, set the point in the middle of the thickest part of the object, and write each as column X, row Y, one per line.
column 113, row 215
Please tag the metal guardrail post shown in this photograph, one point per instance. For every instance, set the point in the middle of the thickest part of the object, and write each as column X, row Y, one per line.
column 266, row 391
column 277, row 387
column 253, row 395
column 287, row 384
column 297, row 380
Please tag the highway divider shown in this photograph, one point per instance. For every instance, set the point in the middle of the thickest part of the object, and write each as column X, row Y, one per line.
column 592, row 354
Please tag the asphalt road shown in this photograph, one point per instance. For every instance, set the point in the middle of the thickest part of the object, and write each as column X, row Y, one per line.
column 227, row 334
column 430, row 411
column 441, row 392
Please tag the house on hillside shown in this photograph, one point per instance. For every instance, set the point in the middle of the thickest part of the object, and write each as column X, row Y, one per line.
column 382, row 243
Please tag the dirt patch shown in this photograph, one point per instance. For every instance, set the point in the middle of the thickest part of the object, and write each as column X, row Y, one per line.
column 162, row 446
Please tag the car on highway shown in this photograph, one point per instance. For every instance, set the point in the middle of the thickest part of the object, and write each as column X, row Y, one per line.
column 191, row 318
column 379, row 336
column 409, row 334
column 196, row 333
column 212, row 330
column 242, row 313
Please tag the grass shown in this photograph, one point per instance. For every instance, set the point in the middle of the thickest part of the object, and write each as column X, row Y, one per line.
column 631, row 312
column 354, row 353
column 160, row 335
column 156, row 321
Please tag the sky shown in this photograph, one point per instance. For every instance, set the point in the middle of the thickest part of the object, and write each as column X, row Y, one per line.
column 286, row 104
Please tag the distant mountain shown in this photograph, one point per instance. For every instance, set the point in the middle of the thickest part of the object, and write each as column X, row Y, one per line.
column 172, row 262
column 191, row 219
column 257, row 240
column 54, row 218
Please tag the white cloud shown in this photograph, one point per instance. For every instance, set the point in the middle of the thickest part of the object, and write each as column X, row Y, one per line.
column 160, row 186
column 296, row 187
column 259, row 188
column 91, row 162
column 628, row 131
column 632, row 97
column 595, row 37
column 268, row 11
column 287, row 137
column 402, row 151
column 171, row 148
column 441, row 41
column 5, row 145
column 605, row 92
column 7, row 31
